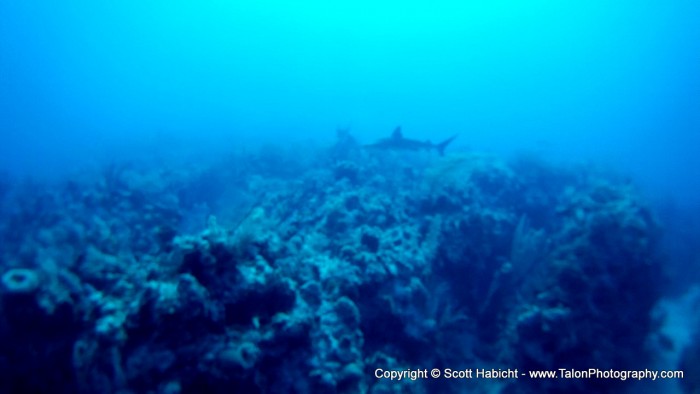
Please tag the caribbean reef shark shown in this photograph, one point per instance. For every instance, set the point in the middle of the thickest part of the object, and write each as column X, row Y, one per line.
column 398, row 142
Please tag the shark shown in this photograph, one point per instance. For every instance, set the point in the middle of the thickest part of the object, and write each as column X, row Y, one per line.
column 398, row 142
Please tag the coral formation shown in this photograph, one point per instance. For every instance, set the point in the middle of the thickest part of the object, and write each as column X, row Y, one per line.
column 311, row 272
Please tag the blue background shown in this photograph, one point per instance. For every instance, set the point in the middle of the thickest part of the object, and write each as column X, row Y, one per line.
column 616, row 83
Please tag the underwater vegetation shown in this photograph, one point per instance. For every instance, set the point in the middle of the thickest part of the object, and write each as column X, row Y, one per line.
column 277, row 271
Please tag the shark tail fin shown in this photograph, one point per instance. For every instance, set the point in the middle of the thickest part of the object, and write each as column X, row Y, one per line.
column 441, row 146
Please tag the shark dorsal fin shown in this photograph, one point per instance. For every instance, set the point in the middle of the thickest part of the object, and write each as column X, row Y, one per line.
column 397, row 133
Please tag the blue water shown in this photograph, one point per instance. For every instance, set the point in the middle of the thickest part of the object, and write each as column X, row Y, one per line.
column 607, row 85
column 616, row 82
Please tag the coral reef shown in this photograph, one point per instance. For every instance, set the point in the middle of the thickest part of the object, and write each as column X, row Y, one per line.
column 311, row 272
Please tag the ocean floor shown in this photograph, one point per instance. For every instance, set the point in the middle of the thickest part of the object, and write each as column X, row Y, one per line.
column 302, row 270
